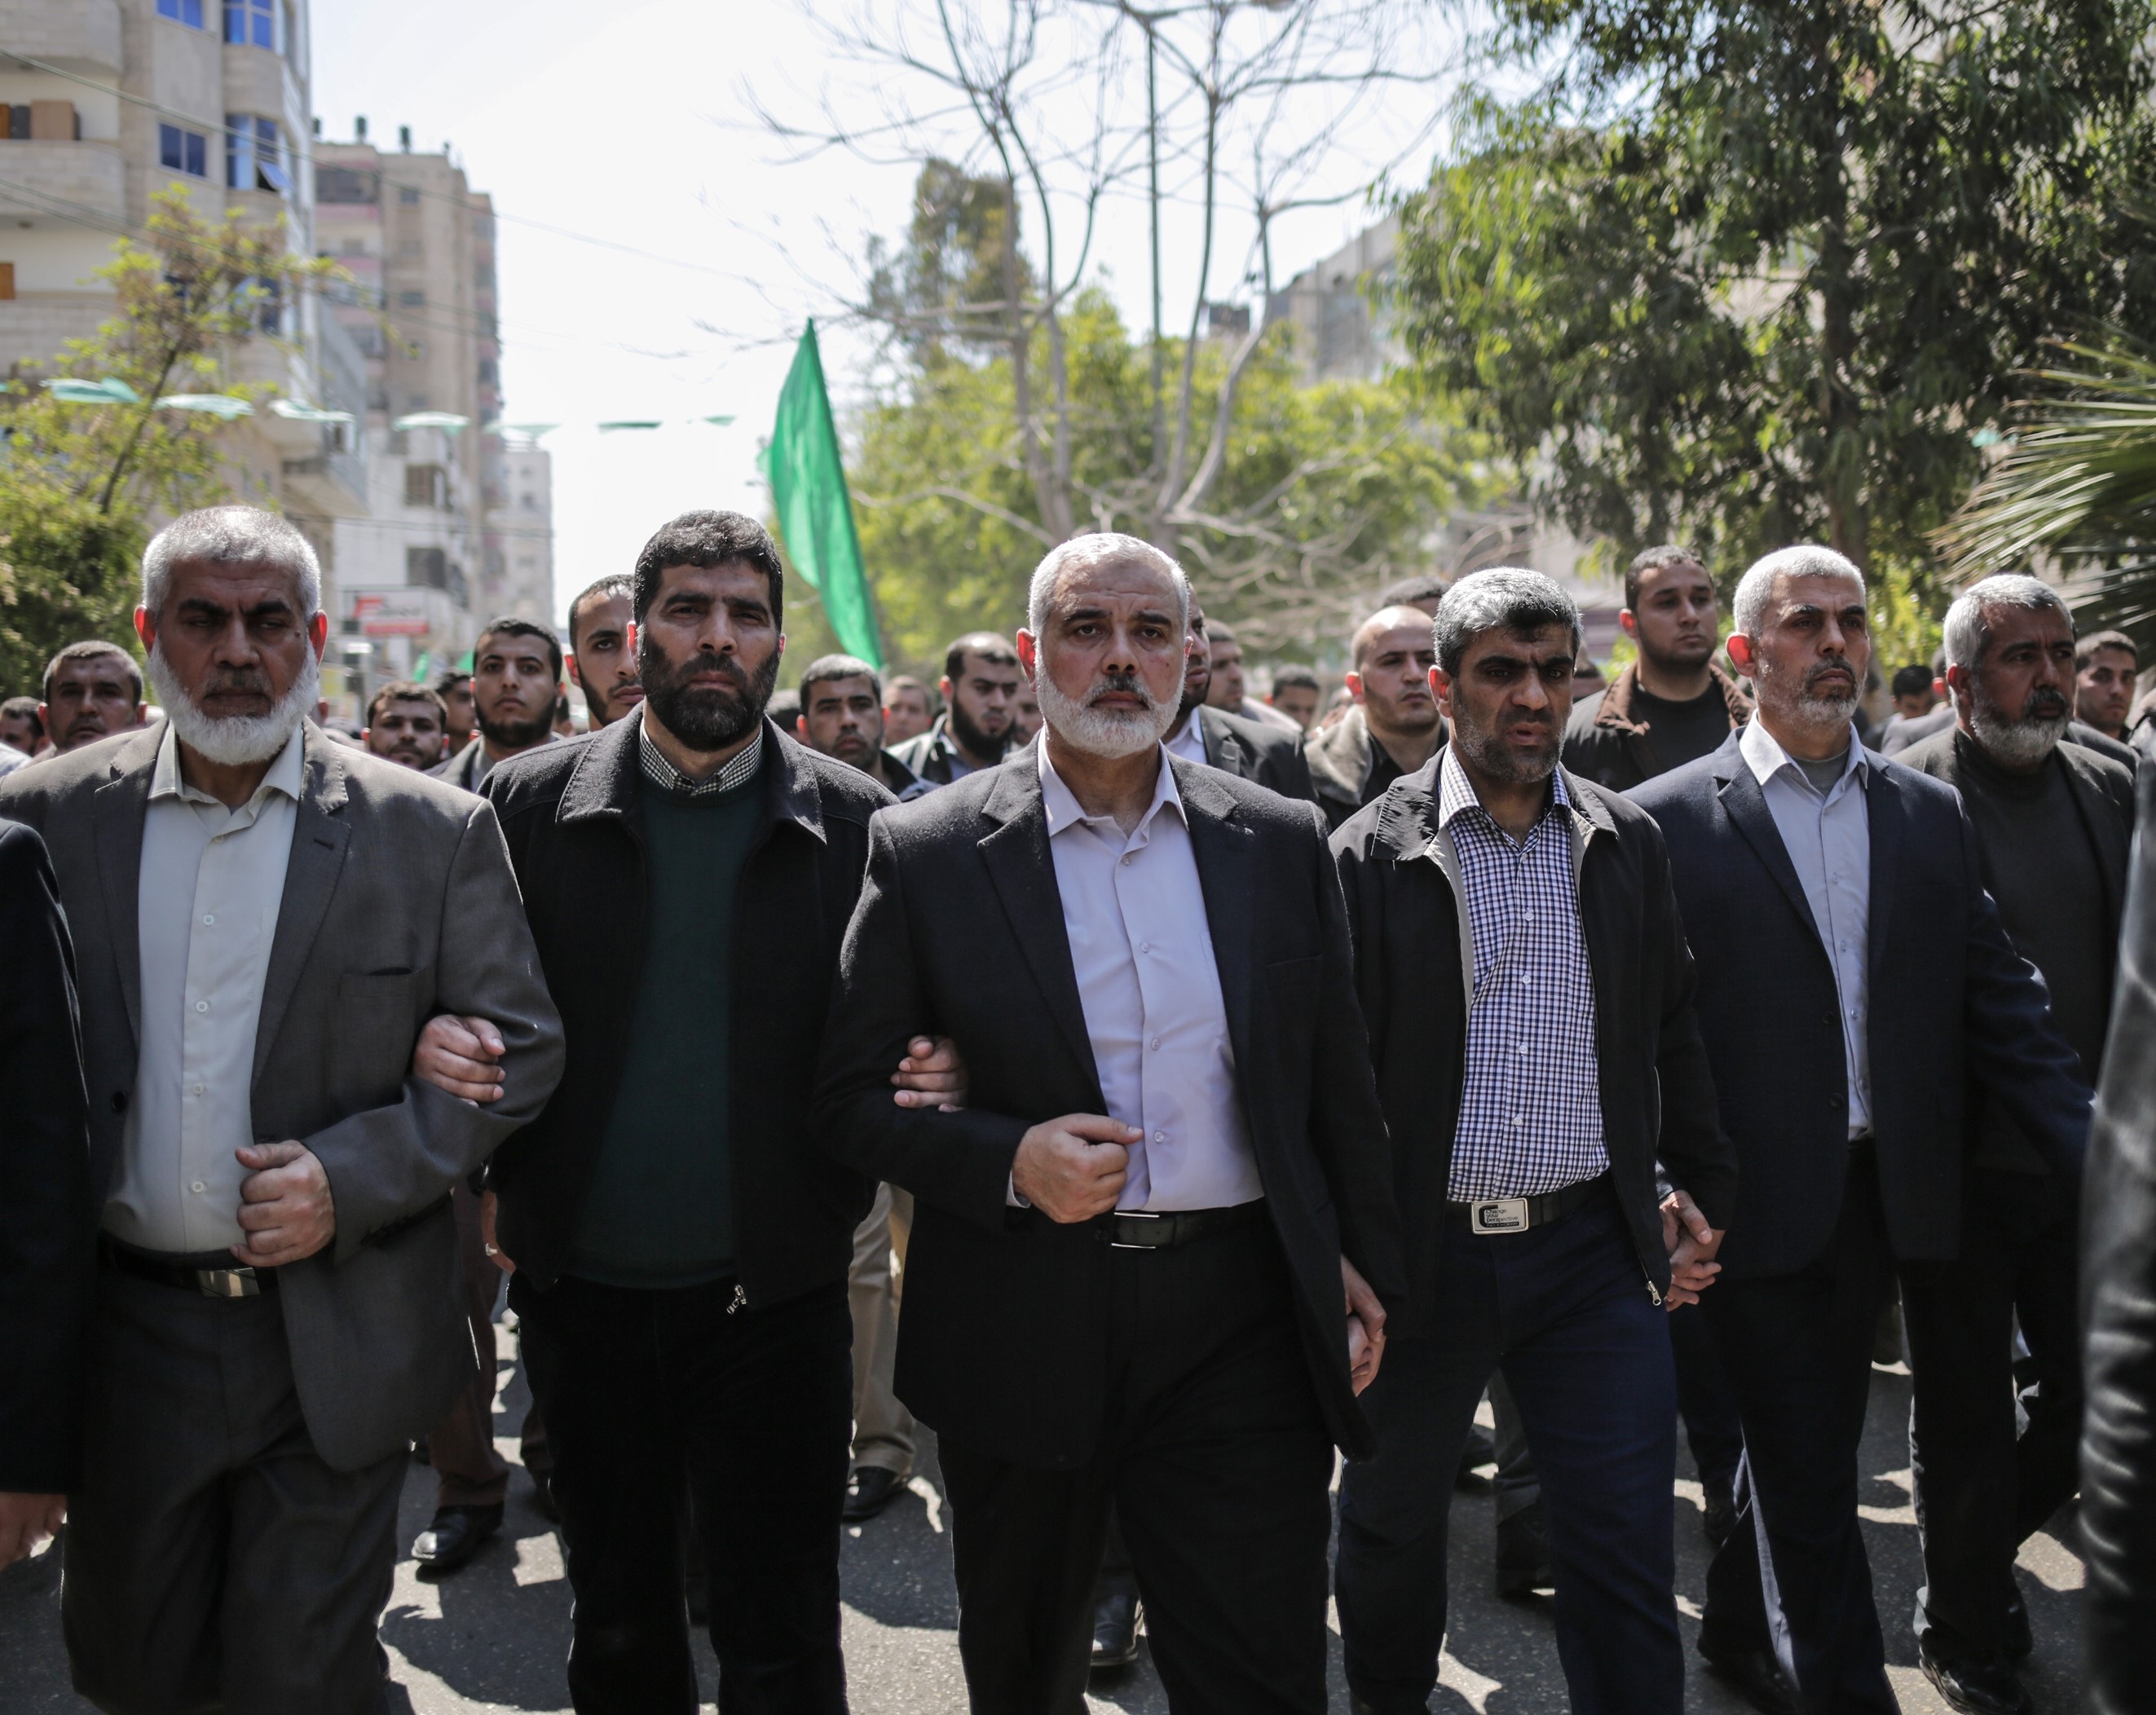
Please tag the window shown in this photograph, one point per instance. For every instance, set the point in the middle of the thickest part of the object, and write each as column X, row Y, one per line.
column 408, row 195
column 486, row 371
column 355, row 247
column 268, row 299
column 250, row 23
column 255, row 155
column 6, row 279
column 182, row 150
column 415, row 402
column 426, row 567
column 187, row 11
column 412, row 301
column 347, row 184
column 426, row 485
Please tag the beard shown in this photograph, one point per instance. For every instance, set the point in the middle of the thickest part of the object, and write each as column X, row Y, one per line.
column 2019, row 742
column 1492, row 758
column 234, row 741
column 971, row 739
column 706, row 717
column 1805, row 702
column 1107, row 733
column 516, row 735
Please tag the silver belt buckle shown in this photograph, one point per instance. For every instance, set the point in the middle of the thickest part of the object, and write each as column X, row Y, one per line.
column 227, row 1283
column 1135, row 1215
column 1499, row 1215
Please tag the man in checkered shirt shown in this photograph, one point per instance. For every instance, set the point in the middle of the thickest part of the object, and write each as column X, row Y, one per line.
column 1529, row 995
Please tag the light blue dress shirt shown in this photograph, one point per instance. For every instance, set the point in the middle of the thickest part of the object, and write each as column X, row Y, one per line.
column 1827, row 836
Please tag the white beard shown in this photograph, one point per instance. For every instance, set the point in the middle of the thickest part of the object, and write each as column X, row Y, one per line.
column 2019, row 744
column 1107, row 733
column 232, row 740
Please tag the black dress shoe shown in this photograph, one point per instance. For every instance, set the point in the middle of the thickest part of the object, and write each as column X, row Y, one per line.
column 1479, row 1451
column 1754, row 1674
column 872, row 1489
column 1116, row 1625
column 1523, row 1565
column 454, row 1537
column 1718, row 1510
column 1972, row 1686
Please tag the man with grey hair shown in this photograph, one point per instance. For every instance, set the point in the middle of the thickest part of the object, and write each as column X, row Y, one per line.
column 2054, row 824
column 263, row 920
column 1808, row 867
column 1530, row 1094
column 1139, row 1258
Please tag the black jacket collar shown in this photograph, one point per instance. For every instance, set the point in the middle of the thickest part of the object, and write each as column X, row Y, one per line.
column 606, row 780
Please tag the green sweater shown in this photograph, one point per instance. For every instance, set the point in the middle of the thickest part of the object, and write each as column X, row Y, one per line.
column 660, row 1209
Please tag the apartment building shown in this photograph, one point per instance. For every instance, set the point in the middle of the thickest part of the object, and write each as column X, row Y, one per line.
column 459, row 525
column 110, row 102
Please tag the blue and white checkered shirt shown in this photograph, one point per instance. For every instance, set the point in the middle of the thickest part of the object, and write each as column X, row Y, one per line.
column 1531, row 1103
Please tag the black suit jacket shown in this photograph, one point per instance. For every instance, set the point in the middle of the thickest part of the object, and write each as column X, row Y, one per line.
column 1949, row 999
column 960, row 932
column 574, row 816
column 48, row 1210
column 2118, row 1284
column 1415, row 973
column 1271, row 755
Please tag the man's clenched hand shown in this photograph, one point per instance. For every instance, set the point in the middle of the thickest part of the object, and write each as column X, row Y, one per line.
column 26, row 1520
column 1366, row 1327
column 1691, row 1244
column 932, row 1074
column 462, row 1056
column 1073, row 1169
column 286, row 1204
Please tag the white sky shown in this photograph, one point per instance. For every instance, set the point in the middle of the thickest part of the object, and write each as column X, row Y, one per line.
column 627, row 123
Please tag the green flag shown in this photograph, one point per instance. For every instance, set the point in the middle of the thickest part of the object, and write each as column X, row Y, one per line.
column 809, row 494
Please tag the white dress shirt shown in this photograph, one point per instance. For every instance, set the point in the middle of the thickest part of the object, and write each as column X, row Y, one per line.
column 208, row 893
column 1189, row 743
column 1135, row 913
column 1827, row 836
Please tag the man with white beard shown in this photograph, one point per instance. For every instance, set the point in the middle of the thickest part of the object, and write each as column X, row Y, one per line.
column 2054, row 824
column 263, row 920
column 1143, row 1254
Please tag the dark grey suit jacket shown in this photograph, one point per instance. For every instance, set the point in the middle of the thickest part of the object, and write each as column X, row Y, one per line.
column 398, row 904
column 1271, row 755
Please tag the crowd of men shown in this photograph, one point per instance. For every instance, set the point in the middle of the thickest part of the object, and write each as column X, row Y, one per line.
column 1156, row 1089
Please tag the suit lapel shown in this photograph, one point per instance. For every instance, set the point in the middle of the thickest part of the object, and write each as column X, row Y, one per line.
column 1884, row 811
column 1225, row 849
column 1746, row 805
column 319, row 837
column 119, row 810
column 1023, row 874
column 2109, row 840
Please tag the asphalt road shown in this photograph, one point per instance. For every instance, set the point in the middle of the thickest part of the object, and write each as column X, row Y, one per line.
column 493, row 1637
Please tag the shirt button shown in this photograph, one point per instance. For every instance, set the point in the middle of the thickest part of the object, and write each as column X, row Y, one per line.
column 1154, row 1044
column 1160, row 1136
column 1519, row 1119
column 202, row 1006
column 209, row 919
column 1145, row 946
column 197, row 1188
column 198, row 1089
column 1126, row 859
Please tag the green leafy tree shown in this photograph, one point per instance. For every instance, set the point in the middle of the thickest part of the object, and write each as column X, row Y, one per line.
column 82, row 483
column 1331, row 490
column 1746, row 272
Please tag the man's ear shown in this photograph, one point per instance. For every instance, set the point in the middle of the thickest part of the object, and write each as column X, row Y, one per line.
column 1354, row 680
column 1441, row 687
column 575, row 677
column 1629, row 623
column 146, row 628
column 1029, row 655
column 1741, row 656
column 318, row 633
column 1958, row 682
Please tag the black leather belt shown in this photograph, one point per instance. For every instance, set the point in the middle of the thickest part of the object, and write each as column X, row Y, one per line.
column 1516, row 1214
column 1131, row 1229
column 188, row 1274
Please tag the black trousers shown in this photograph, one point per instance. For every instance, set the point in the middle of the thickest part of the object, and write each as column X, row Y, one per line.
column 1563, row 1310
column 1980, row 1489
column 652, row 1396
column 214, row 1562
column 1216, row 1459
column 1797, row 1350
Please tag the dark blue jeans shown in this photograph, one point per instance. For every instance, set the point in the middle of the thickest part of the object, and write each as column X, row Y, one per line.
column 1564, row 1311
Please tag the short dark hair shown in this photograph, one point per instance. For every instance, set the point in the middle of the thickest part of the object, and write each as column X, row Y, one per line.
column 451, row 679
column 989, row 645
column 906, row 681
column 89, row 648
column 829, row 667
column 707, row 538
column 1501, row 598
column 1420, row 589
column 1220, row 631
column 409, row 690
column 509, row 625
column 1913, row 680
column 784, row 706
column 1653, row 559
column 1300, row 678
column 26, row 706
column 2085, row 650
column 613, row 583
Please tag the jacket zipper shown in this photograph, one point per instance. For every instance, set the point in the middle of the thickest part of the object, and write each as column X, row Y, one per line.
column 740, row 1300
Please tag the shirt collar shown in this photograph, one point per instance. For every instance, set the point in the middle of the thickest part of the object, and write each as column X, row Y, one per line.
column 1065, row 811
column 1456, row 792
column 287, row 771
column 1766, row 758
column 661, row 772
